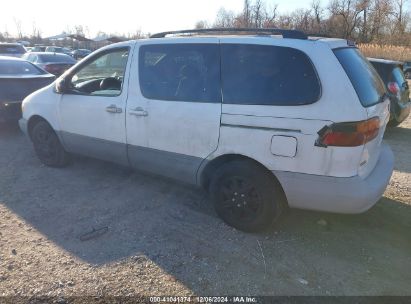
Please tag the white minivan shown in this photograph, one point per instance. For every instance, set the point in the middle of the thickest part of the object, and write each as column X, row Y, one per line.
column 262, row 119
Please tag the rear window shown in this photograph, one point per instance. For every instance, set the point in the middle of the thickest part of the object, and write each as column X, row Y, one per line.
column 12, row 49
column 384, row 70
column 267, row 75
column 364, row 78
column 56, row 58
column 14, row 68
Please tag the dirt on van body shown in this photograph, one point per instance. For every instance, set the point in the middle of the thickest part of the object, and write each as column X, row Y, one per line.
column 97, row 229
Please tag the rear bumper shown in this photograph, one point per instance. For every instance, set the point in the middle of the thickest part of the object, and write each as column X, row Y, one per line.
column 336, row 194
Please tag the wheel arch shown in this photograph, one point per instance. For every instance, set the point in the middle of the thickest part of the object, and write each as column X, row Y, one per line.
column 33, row 120
column 207, row 170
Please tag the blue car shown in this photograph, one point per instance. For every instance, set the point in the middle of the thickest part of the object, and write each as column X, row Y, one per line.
column 391, row 72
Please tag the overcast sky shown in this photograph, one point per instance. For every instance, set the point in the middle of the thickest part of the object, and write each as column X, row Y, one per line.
column 118, row 16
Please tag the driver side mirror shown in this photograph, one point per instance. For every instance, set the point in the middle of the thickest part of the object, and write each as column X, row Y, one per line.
column 61, row 85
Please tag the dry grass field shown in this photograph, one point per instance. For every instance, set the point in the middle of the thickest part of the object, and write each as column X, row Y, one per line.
column 401, row 53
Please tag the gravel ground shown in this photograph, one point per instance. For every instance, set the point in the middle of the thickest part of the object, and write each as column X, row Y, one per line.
column 98, row 229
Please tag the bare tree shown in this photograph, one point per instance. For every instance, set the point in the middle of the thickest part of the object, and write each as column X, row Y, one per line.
column 400, row 16
column 6, row 33
column 35, row 33
column 78, row 30
column 17, row 22
column 258, row 14
column 379, row 19
column 301, row 19
column 202, row 24
column 225, row 18
column 271, row 16
column 246, row 18
column 138, row 34
column 317, row 12
column 346, row 15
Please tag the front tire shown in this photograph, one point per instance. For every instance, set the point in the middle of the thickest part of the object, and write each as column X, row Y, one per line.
column 47, row 146
column 246, row 196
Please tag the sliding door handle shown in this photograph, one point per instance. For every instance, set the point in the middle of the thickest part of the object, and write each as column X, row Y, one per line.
column 139, row 111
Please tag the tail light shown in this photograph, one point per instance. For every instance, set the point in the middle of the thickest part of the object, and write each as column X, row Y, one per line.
column 349, row 134
column 394, row 88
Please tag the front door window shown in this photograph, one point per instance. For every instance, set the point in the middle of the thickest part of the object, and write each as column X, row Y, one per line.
column 103, row 76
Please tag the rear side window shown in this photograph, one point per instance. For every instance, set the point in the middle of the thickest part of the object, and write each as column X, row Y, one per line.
column 363, row 76
column 267, row 75
column 180, row 72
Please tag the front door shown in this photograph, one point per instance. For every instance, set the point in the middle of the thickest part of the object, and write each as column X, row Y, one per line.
column 92, row 111
column 173, row 119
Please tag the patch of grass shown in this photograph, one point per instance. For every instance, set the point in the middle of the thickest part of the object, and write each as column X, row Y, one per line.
column 401, row 53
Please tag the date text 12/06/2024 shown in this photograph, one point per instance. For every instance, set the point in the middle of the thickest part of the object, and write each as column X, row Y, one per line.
column 239, row 299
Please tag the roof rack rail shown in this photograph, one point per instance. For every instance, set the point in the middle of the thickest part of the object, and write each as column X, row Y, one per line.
column 293, row 34
column 318, row 35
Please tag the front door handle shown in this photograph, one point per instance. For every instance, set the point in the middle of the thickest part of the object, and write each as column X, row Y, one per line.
column 139, row 111
column 113, row 109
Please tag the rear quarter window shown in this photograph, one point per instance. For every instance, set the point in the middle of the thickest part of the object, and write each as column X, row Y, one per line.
column 364, row 78
column 267, row 75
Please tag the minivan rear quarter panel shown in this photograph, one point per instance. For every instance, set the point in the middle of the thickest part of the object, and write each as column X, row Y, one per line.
column 249, row 129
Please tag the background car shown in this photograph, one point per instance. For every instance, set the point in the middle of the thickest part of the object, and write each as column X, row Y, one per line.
column 53, row 63
column 18, row 79
column 23, row 43
column 38, row 48
column 12, row 49
column 58, row 49
column 407, row 69
column 80, row 53
column 392, row 74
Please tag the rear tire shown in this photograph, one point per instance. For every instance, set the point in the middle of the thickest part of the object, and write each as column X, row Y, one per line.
column 47, row 146
column 246, row 196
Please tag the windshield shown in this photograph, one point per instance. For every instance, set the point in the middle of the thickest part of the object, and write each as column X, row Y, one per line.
column 108, row 65
column 9, row 67
column 364, row 78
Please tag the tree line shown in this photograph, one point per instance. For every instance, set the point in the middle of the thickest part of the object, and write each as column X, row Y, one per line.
column 365, row 21
column 36, row 35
